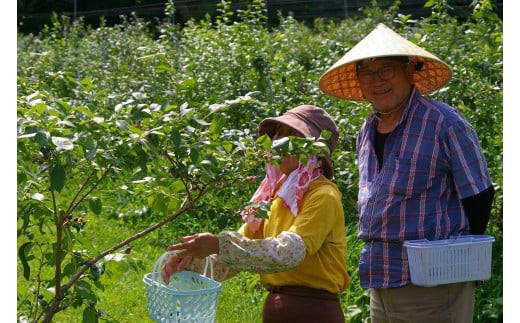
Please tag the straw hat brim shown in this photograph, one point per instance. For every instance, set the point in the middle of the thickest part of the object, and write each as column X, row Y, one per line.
column 340, row 80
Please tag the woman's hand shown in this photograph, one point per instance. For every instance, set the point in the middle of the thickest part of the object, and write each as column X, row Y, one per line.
column 199, row 245
column 173, row 265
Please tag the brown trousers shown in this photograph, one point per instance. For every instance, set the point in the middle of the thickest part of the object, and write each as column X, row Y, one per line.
column 288, row 304
column 449, row 303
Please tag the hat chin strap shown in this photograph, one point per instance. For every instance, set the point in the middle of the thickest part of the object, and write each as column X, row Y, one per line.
column 378, row 113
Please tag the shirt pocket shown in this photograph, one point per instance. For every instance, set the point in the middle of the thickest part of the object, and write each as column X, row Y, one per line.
column 411, row 177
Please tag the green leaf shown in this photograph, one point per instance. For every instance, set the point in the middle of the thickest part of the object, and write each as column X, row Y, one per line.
column 39, row 108
column 177, row 186
column 90, row 315
column 187, row 84
column 217, row 106
column 86, row 84
column 64, row 106
column 69, row 270
column 201, row 122
column 42, row 138
column 57, row 177
column 206, row 166
column 62, row 143
column 217, row 124
column 29, row 135
column 163, row 67
column 135, row 130
column 22, row 254
column 160, row 203
column 147, row 57
column 85, row 243
column 263, row 214
column 176, row 138
column 325, row 134
column 262, row 208
column 264, row 141
column 83, row 109
column 192, row 169
column 429, row 3
column 228, row 147
column 84, row 290
column 281, row 146
column 90, row 154
column 38, row 196
column 194, row 155
column 95, row 205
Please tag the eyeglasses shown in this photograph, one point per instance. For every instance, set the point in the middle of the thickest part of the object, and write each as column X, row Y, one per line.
column 386, row 73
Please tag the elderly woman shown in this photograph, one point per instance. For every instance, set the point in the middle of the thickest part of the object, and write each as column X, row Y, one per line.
column 300, row 250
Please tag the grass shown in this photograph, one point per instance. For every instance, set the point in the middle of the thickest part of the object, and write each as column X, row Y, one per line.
column 122, row 296
column 125, row 300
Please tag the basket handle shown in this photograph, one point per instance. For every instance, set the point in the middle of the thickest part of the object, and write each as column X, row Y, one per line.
column 162, row 259
column 160, row 262
column 209, row 262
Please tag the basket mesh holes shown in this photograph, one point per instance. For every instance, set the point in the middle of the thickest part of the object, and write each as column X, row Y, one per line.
column 176, row 304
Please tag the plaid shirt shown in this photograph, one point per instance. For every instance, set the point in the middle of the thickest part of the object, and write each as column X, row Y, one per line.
column 432, row 160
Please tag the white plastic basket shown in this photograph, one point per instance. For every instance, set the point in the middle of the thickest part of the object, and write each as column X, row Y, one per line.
column 465, row 258
column 189, row 297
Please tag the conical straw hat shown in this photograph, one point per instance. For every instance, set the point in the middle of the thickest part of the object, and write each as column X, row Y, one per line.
column 340, row 80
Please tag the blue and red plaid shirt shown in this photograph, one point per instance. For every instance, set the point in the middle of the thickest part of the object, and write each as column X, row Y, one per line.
column 432, row 160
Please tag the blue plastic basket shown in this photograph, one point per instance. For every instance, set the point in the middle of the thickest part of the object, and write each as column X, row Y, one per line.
column 465, row 258
column 189, row 297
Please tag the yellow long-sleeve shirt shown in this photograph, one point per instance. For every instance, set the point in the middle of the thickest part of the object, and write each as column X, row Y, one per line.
column 320, row 223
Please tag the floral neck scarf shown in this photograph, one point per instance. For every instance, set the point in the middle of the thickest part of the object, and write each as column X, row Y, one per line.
column 292, row 189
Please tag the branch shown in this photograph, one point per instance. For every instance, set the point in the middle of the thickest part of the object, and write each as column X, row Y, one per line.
column 54, row 306
column 184, row 208
column 73, row 204
column 174, row 164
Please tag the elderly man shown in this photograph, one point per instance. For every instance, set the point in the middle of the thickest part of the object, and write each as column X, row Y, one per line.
column 422, row 174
